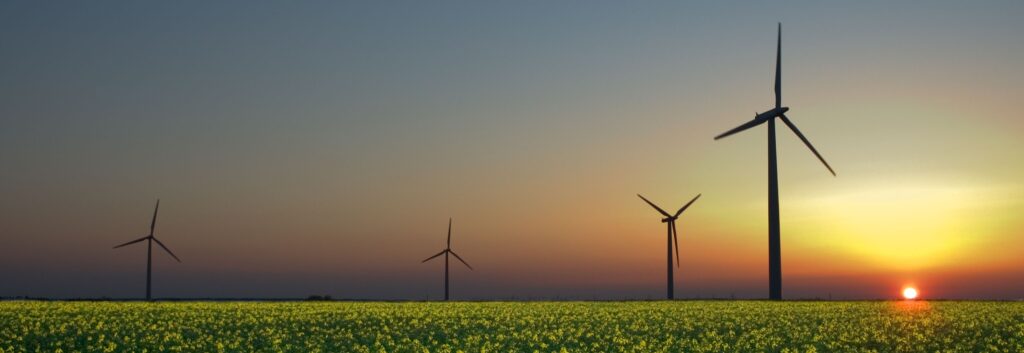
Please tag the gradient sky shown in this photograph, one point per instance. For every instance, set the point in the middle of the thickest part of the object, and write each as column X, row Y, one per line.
column 321, row 147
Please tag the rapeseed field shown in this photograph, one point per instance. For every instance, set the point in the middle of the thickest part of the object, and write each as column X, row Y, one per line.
column 660, row 326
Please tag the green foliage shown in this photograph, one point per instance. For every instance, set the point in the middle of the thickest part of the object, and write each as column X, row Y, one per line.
column 681, row 326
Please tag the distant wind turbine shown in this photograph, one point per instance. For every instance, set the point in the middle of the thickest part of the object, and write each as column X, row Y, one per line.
column 448, row 250
column 774, row 231
column 670, row 219
column 149, row 251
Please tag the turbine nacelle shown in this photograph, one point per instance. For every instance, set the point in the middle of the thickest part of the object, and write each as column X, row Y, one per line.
column 774, row 113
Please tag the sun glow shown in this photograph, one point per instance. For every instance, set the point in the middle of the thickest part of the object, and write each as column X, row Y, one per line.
column 904, row 227
column 909, row 293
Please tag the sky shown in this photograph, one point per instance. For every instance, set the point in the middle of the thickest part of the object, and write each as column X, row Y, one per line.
column 321, row 147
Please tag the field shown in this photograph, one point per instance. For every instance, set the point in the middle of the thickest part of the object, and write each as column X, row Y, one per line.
column 682, row 326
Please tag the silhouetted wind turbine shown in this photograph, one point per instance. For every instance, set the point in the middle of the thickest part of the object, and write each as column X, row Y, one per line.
column 448, row 250
column 672, row 235
column 774, row 232
column 149, row 251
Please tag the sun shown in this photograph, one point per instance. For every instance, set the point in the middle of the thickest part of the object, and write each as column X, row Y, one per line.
column 909, row 293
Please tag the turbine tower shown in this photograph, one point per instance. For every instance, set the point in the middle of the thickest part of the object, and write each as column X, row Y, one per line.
column 149, row 252
column 672, row 235
column 774, row 231
column 448, row 250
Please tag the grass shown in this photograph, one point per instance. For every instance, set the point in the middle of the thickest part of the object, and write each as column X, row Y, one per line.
column 682, row 326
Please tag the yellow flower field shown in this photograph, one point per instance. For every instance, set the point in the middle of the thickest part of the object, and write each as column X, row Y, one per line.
column 680, row 326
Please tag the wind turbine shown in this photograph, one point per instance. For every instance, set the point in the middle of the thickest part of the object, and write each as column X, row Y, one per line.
column 448, row 250
column 149, row 252
column 774, row 232
column 672, row 235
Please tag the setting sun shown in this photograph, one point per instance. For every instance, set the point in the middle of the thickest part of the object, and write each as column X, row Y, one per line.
column 909, row 293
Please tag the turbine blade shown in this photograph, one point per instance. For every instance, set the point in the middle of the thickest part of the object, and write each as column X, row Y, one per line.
column 806, row 142
column 463, row 261
column 165, row 248
column 675, row 236
column 153, row 224
column 745, row 126
column 778, row 70
column 449, row 234
column 653, row 205
column 687, row 205
column 132, row 242
column 432, row 257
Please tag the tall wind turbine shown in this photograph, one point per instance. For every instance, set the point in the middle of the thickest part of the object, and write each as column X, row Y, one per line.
column 149, row 252
column 672, row 235
column 774, row 232
column 448, row 250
